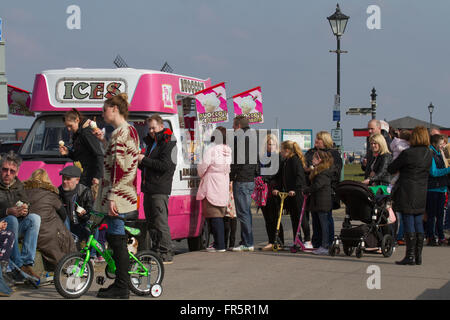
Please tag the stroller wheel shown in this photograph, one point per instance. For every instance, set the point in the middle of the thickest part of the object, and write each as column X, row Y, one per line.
column 348, row 250
column 294, row 249
column 275, row 247
column 359, row 251
column 387, row 245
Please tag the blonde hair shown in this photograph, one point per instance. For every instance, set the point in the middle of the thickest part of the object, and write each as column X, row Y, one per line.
column 295, row 149
column 274, row 138
column 379, row 139
column 325, row 136
column 326, row 163
column 40, row 175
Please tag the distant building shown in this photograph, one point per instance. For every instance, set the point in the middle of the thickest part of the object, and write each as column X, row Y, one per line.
column 403, row 123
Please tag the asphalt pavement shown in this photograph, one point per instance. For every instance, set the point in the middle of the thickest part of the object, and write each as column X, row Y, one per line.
column 283, row 275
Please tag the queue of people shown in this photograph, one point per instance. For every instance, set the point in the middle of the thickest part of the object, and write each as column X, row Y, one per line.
column 411, row 163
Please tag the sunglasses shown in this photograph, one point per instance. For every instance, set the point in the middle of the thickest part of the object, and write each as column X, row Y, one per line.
column 9, row 171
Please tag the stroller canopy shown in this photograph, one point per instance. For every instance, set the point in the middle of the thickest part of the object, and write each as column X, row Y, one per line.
column 358, row 199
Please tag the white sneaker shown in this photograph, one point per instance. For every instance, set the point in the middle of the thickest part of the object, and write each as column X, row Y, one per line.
column 308, row 245
column 243, row 248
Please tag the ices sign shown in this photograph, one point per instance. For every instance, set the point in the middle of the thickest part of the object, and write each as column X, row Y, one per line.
column 88, row 91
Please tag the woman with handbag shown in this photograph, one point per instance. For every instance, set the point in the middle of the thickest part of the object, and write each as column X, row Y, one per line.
column 214, row 171
column 268, row 171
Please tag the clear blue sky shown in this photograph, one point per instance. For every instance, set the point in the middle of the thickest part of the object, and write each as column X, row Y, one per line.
column 283, row 46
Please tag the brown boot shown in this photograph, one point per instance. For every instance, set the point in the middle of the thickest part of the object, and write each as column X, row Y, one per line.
column 29, row 270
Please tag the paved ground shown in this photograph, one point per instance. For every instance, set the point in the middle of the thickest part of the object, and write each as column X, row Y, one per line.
column 285, row 276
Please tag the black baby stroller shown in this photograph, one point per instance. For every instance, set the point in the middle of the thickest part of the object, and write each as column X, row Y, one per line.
column 374, row 211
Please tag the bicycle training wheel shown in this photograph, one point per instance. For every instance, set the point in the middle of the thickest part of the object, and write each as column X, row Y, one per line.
column 141, row 282
column 68, row 282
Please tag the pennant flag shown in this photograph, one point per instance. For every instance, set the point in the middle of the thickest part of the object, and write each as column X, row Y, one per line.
column 249, row 104
column 212, row 104
column 19, row 101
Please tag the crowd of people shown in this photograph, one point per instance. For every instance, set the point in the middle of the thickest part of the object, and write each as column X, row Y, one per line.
column 411, row 163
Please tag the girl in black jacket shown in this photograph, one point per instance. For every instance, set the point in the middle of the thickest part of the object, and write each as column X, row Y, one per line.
column 86, row 148
column 291, row 178
column 320, row 202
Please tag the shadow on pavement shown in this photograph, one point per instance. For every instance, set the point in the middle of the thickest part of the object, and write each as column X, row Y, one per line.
column 436, row 294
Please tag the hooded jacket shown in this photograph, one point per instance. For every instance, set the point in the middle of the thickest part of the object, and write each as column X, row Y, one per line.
column 158, row 167
column 214, row 171
column 54, row 240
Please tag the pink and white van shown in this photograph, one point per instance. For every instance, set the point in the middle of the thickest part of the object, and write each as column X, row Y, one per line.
column 170, row 95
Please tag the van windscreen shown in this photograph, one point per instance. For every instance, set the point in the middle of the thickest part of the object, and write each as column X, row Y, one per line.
column 46, row 132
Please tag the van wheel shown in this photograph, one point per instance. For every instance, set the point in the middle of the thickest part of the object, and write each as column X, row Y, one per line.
column 201, row 242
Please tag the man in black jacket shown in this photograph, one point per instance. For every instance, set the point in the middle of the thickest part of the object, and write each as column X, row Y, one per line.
column 158, row 167
column 242, row 175
column 77, row 200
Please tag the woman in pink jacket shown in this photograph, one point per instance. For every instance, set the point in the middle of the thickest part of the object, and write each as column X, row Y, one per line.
column 214, row 171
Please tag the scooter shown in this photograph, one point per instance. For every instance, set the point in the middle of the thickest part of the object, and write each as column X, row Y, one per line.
column 297, row 243
column 278, row 244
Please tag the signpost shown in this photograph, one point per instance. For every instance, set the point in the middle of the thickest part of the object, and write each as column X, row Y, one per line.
column 336, row 135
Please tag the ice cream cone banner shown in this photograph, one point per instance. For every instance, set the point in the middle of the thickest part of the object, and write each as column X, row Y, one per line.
column 249, row 104
column 212, row 104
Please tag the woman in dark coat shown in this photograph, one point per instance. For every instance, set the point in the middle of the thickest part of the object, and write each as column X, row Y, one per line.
column 86, row 148
column 291, row 178
column 54, row 240
column 376, row 170
column 410, row 192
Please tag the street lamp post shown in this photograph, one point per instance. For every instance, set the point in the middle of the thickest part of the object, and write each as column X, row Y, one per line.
column 373, row 103
column 431, row 109
column 338, row 22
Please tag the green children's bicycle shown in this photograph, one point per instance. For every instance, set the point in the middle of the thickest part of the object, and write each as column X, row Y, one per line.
column 75, row 272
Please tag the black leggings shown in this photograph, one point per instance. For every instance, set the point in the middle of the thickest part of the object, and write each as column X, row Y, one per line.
column 271, row 212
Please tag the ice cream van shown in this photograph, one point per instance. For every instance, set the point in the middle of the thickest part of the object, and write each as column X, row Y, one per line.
column 149, row 91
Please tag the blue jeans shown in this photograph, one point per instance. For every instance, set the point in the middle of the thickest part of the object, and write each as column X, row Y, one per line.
column 242, row 192
column 316, row 239
column 400, row 226
column 28, row 227
column 435, row 214
column 116, row 226
column 412, row 223
column 324, row 222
